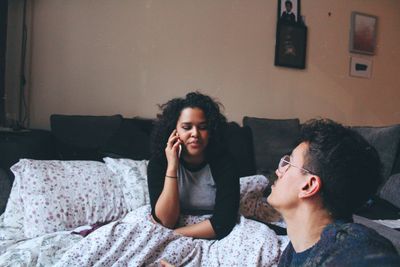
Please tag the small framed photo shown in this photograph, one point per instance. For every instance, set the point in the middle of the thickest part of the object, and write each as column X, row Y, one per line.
column 360, row 67
column 290, row 47
column 288, row 11
column 363, row 33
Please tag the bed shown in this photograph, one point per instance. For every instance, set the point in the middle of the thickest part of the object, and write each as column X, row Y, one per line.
column 90, row 213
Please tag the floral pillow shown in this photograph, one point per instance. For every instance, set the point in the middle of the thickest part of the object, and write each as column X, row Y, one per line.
column 133, row 177
column 253, row 204
column 62, row 195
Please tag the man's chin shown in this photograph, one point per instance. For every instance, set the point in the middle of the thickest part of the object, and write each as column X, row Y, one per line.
column 270, row 200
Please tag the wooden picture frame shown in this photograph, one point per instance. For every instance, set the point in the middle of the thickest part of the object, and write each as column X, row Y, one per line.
column 289, row 11
column 291, row 44
column 363, row 33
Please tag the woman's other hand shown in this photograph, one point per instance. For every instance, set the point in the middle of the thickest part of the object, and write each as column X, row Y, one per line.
column 166, row 264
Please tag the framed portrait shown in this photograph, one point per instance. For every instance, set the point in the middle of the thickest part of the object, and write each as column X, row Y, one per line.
column 290, row 47
column 363, row 33
column 360, row 67
column 288, row 11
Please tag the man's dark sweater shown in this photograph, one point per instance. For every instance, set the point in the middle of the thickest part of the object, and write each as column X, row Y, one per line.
column 344, row 244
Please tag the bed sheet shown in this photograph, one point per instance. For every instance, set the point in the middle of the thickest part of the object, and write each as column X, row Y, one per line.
column 45, row 250
column 137, row 241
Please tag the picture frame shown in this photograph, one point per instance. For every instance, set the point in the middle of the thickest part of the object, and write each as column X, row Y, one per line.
column 363, row 33
column 289, row 11
column 360, row 67
column 291, row 44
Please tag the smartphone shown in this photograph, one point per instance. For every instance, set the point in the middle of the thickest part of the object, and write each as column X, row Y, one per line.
column 180, row 151
column 180, row 147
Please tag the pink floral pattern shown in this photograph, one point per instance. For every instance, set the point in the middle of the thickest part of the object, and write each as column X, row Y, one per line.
column 253, row 203
column 133, row 176
column 137, row 241
column 62, row 195
column 53, row 196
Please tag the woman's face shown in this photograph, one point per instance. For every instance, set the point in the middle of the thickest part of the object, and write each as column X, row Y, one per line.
column 193, row 132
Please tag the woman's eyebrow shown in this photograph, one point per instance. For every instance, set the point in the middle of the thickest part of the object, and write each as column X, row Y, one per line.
column 191, row 123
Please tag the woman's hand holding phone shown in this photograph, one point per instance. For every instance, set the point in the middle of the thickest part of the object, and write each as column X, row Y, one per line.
column 173, row 151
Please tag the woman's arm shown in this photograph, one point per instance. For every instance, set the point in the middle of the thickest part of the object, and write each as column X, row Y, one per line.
column 163, row 185
column 227, row 196
column 167, row 208
column 203, row 229
column 164, row 195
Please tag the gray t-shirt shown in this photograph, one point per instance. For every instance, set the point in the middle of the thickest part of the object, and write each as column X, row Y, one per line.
column 197, row 190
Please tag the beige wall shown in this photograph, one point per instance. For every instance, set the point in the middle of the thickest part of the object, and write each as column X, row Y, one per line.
column 107, row 57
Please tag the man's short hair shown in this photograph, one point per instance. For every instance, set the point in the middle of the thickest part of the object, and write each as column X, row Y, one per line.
column 347, row 164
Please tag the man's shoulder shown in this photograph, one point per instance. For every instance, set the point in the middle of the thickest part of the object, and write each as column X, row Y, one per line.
column 356, row 243
column 342, row 233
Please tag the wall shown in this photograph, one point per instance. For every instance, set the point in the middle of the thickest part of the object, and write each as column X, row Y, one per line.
column 107, row 57
column 17, row 66
column 3, row 35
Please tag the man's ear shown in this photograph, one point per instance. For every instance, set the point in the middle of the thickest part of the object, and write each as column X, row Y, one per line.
column 311, row 187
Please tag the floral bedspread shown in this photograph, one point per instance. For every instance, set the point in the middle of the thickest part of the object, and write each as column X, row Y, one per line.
column 136, row 241
column 44, row 250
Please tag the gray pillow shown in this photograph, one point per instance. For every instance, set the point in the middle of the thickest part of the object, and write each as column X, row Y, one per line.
column 271, row 140
column 390, row 190
column 386, row 141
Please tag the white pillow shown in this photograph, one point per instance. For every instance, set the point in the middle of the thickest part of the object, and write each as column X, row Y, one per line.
column 133, row 178
column 252, row 202
column 62, row 195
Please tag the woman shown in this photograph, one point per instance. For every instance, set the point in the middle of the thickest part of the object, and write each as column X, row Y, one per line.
column 201, row 181
column 190, row 171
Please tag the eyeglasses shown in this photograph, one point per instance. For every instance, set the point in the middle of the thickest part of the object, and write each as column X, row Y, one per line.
column 284, row 164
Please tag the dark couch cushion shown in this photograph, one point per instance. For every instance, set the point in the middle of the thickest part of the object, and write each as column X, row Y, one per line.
column 146, row 125
column 271, row 140
column 379, row 208
column 396, row 165
column 33, row 144
column 390, row 191
column 80, row 137
column 386, row 141
column 5, row 188
column 239, row 143
column 132, row 140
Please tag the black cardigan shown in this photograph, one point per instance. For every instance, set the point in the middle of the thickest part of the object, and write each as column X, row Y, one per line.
column 227, row 198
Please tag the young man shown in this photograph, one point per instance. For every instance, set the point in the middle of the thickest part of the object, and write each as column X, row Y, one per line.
column 287, row 15
column 330, row 174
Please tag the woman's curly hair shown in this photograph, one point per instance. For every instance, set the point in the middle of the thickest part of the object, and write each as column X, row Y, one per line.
column 170, row 112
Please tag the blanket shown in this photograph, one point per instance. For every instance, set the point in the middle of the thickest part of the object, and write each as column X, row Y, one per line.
column 136, row 240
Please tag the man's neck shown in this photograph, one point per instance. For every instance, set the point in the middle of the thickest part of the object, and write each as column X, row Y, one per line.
column 305, row 226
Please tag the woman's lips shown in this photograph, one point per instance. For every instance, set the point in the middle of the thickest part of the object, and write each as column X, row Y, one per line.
column 194, row 144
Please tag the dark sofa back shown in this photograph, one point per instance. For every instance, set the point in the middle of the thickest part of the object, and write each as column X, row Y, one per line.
column 95, row 137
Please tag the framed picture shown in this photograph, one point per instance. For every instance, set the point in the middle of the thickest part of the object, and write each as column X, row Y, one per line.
column 363, row 33
column 288, row 11
column 360, row 67
column 290, row 47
